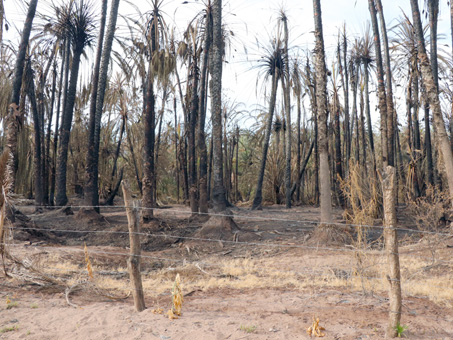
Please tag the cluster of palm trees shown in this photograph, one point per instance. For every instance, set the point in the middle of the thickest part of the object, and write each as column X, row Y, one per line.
column 125, row 121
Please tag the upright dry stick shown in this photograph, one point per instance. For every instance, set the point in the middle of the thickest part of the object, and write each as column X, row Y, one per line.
column 133, row 263
column 391, row 248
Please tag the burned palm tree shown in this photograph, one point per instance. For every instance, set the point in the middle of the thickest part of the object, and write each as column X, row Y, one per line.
column 97, row 102
column 322, row 113
column 13, row 118
column 273, row 65
column 79, row 31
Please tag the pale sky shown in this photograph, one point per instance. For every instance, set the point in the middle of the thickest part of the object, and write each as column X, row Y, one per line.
column 256, row 20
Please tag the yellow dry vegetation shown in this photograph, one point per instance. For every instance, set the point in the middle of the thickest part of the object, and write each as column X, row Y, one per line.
column 177, row 299
column 315, row 329
column 88, row 263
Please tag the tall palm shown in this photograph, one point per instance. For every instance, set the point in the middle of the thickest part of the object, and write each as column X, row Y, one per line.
column 297, row 89
column 405, row 51
column 79, row 32
column 194, row 77
column 155, row 33
column 203, row 155
column 433, row 98
column 391, row 114
column 218, row 195
column 381, row 84
column 274, row 66
column 322, row 110
column 363, row 56
column 286, row 93
column 89, row 171
column 13, row 118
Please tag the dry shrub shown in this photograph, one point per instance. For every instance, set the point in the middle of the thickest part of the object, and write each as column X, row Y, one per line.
column 362, row 194
column 431, row 212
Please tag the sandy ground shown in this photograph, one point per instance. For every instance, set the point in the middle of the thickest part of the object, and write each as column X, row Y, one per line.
column 221, row 315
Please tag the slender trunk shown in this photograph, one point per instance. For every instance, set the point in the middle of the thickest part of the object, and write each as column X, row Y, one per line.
column 226, row 168
column 134, row 159
column 416, row 106
column 338, row 160
column 428, row 146
column 347, row 134
column 193, row 117
column 62, row 161
column 433, row 98
column 236, row 177
column 354, row 111
column 391, row 114
column 381, row 85
column 368, row 117
column 287, row 99
column 37, row 122
column 118, row 148
column 148, row 166
column 62, row 89
column 316, row 154
column 321, row 99
column 48, row 160
column 183, row 166
column 362, row 131
column 304, row 166
column 216, row 106
column 41, row 111
column 176, row 150
column 298, row 148
column 211, row 148
column 433, row 9
column 159, row 133
column 203, row 154
column 91, row 181
column 13, row 122
column 259, row 187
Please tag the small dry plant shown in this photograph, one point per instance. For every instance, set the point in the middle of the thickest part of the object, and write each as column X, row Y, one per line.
column 363, row 198
column 315, row 329
column 88, row 263
column 177, row 299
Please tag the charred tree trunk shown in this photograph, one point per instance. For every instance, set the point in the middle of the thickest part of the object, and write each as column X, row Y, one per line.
column 203, row 154
column 13, row 122
column 61, row 198
column 257, row 201
column 91, row 172
column 193, row 117
column 37, row 123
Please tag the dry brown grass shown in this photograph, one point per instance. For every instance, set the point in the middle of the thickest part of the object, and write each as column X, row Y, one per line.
column 419, row 276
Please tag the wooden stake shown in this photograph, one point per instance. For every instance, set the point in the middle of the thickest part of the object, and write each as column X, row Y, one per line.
column 391, row 248
column 133, row 263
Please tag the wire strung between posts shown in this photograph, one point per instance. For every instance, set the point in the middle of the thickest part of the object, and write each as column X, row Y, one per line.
column 260, row 244
column 258, row 218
